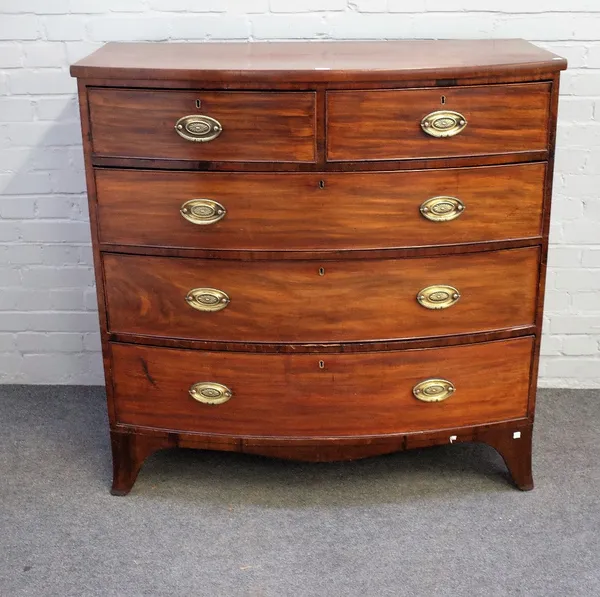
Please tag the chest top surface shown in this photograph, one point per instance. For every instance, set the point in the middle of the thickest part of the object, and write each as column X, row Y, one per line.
column 334, row 61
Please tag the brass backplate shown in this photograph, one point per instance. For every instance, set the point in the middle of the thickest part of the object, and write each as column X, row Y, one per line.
column 209, row 392
column 439, row 296
column 202, row 211
column 207, row 299
column 443, row 123
column 434, row 390
column 442, row 208
column 198, row 128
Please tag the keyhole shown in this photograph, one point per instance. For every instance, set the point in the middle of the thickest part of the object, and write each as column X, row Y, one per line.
column 321, row 364
column 321, row 271
column 321, row 184
column 443, row 99
column 198, row 104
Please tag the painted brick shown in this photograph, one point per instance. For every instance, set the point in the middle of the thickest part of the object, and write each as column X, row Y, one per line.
column 10, row 55
column 247, row 6
column 126, row 28
column 44, row 81
column 187, row 5
column 44, row 233
column 210, row 26
column 19, row 27
column 580, row 345
column 16, row 109
column 307, row 5
column 56, row 232
column 368, row 5
column 34, row 6
column 36, row 342
column 282, row 27
column 551, row 346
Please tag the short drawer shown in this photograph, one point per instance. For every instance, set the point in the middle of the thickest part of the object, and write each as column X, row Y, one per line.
column 463, row 121
column 288, row 211
column 234, row 126
column 315, row 395
column 321, row 301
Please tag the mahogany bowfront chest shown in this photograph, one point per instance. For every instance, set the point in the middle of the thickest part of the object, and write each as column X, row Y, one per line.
column 319, row 251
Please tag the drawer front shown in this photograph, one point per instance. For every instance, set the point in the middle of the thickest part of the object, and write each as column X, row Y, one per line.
column 343, row 395
column 252, row 126
column 386, row 125
column 320, row 301
column 320, row 211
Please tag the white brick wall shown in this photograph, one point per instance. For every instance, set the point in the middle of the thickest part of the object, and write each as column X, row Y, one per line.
column 48, row 320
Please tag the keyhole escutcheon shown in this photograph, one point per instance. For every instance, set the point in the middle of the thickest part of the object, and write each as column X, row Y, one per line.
column 321, row 184
column 321, row 271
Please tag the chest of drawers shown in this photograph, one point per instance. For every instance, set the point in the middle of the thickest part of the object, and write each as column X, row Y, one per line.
column 319, row 251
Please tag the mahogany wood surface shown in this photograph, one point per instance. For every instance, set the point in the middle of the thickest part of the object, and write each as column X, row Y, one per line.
column 321, row 210
column 343, row 395
column 132, row 445
column 346, row 62
column 257, row 127
column 500, row 119
column 296, row 106
column 320, row 301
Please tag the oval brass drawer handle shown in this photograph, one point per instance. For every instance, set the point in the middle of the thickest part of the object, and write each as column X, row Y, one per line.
column 207, row 299
column 443, row 123
column 202, row 211
column 198, row 128
column 434, row 390
column 440, row 296
column 209, row 392
column 442, row 209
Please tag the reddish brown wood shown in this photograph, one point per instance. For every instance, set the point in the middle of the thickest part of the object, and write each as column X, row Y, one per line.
column 130, row 452
column 324, row 348
column 378, row 166
column 545, row 232
column 335, row 254
column 321, row 210
column 515, row 449
column 321, row 301
column 295, row 85
column 315, row 62
column 501, row 119
column 309, row 396
column 257, row 127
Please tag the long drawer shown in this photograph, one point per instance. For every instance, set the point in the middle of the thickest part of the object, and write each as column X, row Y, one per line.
column 321, row 301
column 231, row 126
column 316, row 395
column 320, row 210
column 437, row 123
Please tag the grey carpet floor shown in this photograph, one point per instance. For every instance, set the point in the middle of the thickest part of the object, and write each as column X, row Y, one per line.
column 435, row 522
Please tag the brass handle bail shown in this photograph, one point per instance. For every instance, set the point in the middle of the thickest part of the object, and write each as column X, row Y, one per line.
column 202, row 211
column 443, row 123
column 209, row 392
column 440, row 296
column 207, row 299
column 434, row 390
column 198, row 128
column 442, row 209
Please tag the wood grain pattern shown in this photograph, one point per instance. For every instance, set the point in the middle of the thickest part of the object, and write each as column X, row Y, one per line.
column 386, row 125
column 131, row 445
column 351, row 211
column 369, row 179
column 332, row 61
column 284, row 301
column 257, row 127
column 361, row 394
